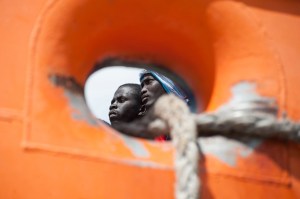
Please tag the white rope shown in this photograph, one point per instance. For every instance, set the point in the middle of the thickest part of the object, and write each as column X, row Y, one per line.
column 172, row 115
column 254, row 124
column 236, row 123
column 182, row 126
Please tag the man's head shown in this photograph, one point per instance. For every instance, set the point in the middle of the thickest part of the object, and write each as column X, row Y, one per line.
column 151, row 90
column 154, row 85
column 125, row 104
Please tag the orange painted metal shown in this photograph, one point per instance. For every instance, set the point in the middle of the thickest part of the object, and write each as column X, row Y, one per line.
column 51, row 147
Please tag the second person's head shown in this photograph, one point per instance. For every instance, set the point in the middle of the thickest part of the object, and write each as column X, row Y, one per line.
column 155, row 85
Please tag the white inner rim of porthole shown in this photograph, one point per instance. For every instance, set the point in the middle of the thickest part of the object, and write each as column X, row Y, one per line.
column 101, row 86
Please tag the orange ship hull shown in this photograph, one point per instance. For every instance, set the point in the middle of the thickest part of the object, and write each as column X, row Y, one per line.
column 51, row 147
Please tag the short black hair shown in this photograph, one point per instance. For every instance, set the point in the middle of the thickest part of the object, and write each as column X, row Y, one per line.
column 136, row 89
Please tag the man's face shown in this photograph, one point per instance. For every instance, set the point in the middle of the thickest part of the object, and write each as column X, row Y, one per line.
column 151, row 91
column 124, row 106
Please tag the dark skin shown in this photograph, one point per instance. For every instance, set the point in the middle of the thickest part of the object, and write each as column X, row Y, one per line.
column 140, row 127
column 151, row 91
column 124, row 106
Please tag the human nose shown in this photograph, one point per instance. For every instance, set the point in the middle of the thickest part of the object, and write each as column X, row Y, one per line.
column 144, row 90
column 113, row 106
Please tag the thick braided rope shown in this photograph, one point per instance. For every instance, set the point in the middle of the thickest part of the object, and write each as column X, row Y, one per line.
column 172, row 115
column 181, row 123
column 247, row 124
column 233, row 123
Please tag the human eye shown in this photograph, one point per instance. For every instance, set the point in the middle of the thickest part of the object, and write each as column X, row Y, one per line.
column 122, row 99
column 148, row 81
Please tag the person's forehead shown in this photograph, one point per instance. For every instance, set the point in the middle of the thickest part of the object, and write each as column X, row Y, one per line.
column 147, row 76
column 124, row 91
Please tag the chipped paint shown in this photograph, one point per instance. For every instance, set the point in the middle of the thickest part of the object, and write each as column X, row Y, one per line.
column 73, row 91
column 135, row 146
column 246, row 99
column 228, row 150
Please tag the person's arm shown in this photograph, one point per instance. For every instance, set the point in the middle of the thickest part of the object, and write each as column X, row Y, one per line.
column 141, row 127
